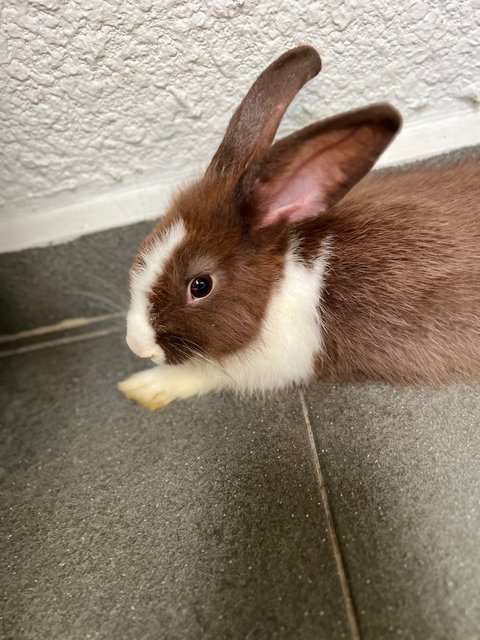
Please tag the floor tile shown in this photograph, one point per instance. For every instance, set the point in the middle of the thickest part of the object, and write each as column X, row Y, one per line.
column 201, row 521
column 402, row 467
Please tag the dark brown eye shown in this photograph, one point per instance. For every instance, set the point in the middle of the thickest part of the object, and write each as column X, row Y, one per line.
column 200, row 287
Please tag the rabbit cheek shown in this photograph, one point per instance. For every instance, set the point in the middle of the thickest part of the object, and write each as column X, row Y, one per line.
column 148, row 269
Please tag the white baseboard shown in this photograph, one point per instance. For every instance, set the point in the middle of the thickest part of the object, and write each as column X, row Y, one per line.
column 422, row 139
column 146, row 200
column 59, row 223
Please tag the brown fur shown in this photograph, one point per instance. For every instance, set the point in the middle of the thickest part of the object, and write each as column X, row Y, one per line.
column 402, row 293
column 350, row 142
column 253, row 125
column 217, row 242
column 401, row 297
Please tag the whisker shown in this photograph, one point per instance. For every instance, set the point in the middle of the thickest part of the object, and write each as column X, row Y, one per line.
column 194, row 350
column 109, row 304
column 121, row 295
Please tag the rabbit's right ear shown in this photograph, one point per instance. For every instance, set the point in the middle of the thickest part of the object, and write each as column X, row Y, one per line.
column 255, row 122
column 304, row 174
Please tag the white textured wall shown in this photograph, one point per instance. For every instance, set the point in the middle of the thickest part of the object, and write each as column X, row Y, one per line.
column 96, row 92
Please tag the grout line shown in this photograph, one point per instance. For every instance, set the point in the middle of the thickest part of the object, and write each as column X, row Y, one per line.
column 59, row 341
column 342, row 574
column 64, row 325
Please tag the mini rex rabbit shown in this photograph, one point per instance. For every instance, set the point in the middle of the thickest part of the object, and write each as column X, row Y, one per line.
column 266, row 272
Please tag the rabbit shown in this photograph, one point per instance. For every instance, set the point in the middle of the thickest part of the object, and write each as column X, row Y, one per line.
column 276, row 267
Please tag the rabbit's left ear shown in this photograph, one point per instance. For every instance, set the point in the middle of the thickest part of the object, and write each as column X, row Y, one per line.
column 253, row 125
column 304, row 174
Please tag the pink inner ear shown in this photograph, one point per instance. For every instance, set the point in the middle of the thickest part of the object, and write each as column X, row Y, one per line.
column 299, row 199
column 304, row 188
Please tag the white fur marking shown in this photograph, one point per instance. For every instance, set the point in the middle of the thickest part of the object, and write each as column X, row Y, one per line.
column 140, row 334
column 290, row 339
column 291, row 335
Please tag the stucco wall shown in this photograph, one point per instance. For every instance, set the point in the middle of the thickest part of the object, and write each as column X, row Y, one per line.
column 101, row 91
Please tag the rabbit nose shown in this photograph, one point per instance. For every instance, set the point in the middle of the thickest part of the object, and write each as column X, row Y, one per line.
column 139, row 348
column 140, row 336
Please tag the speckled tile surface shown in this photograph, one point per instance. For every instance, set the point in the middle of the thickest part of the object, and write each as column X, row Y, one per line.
column 402, row 467
column 206, row 521
column 202, row 521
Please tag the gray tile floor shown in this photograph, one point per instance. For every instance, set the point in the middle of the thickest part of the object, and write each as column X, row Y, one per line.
column 209, row 519
column 347, row 512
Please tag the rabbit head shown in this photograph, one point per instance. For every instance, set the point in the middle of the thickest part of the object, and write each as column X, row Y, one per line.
column 202, row 280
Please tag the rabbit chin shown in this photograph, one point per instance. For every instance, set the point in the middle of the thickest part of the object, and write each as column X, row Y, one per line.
column 159, row 356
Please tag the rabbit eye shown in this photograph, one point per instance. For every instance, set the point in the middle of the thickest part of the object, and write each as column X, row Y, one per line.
column 200, row 287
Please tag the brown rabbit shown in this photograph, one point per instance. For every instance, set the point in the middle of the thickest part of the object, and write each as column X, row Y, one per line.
column 259, row 277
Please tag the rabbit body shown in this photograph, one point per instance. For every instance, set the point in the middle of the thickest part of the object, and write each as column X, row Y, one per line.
column 278, row 266
column 401, row 298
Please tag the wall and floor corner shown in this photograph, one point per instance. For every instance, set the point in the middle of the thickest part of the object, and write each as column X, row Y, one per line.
column 107, row 106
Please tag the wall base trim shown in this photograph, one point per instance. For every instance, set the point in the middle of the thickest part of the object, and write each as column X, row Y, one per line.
column 120, row 206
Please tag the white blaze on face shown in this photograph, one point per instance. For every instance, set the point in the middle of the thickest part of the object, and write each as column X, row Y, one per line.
column 140, row 333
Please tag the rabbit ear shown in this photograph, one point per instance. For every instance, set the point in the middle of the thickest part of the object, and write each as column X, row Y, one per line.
column 255, row 122
column 305, row 173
